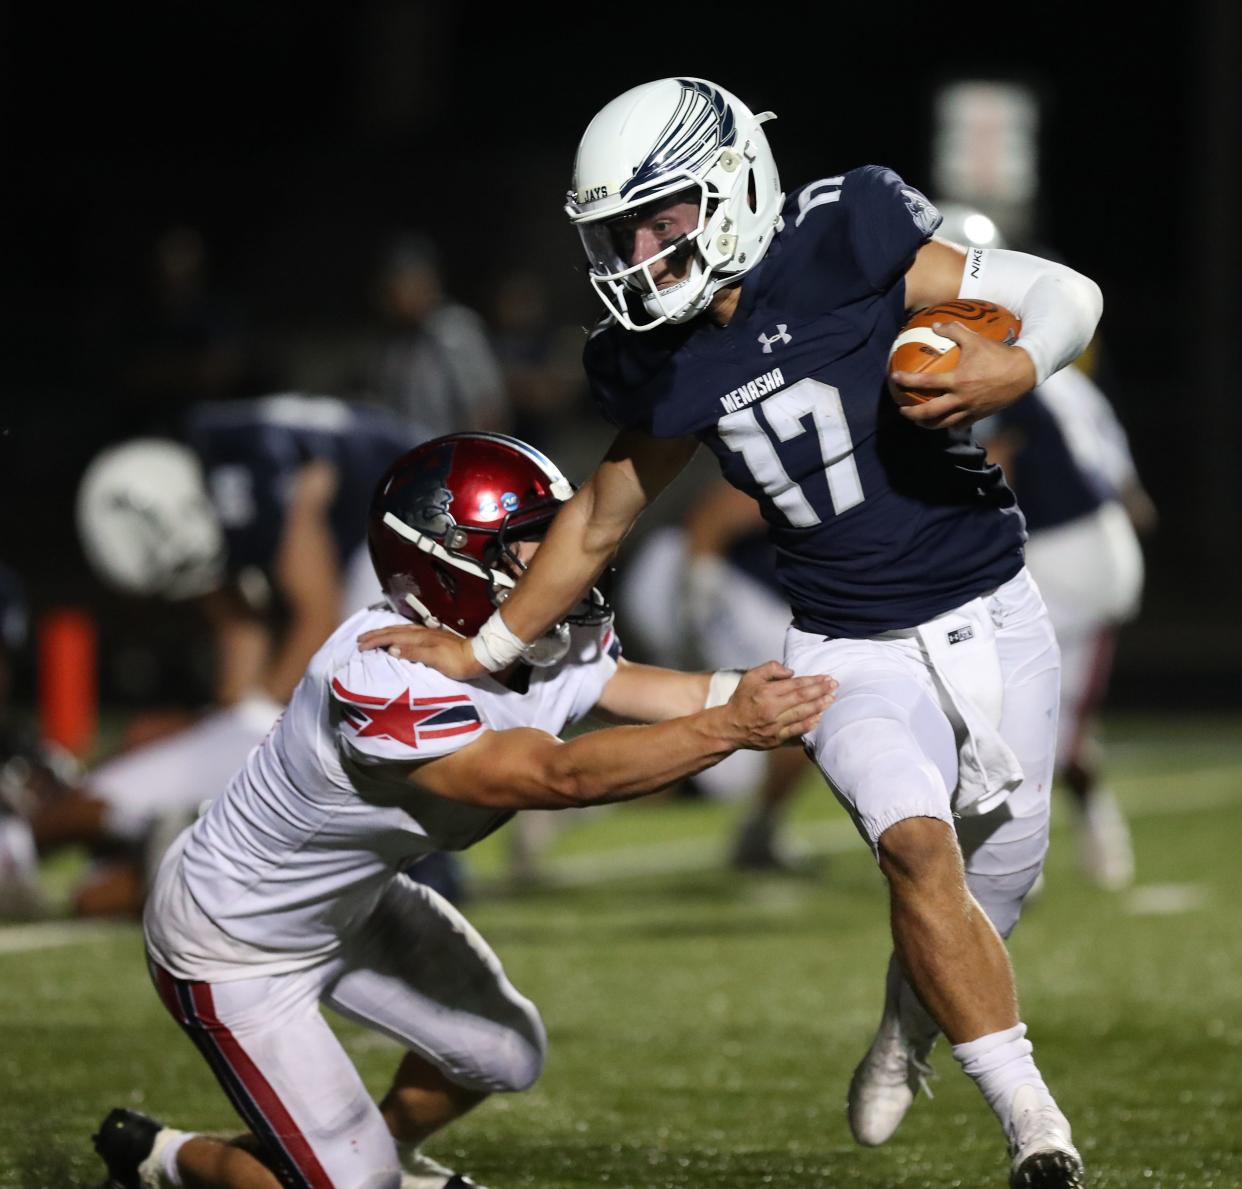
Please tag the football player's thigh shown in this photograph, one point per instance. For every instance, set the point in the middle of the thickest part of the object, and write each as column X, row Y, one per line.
column 178, row 772
column 422, row 974
column 885, row 745
column 1004, row 850
column 289, row 1078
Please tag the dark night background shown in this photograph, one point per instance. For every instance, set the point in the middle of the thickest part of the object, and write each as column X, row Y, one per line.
column 296, row 141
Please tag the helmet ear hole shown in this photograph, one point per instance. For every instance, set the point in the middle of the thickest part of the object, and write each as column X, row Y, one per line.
column 752, row 198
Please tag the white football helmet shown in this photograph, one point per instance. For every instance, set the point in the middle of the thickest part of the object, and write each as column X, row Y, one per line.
column 968, row 226
column 147, row 523
column 656, row 141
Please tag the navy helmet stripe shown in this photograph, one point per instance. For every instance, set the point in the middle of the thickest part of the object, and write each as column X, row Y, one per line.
column 702, row 122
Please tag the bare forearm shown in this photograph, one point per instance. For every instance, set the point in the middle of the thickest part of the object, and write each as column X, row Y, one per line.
column 573, row 554
column 621, row 763
column 525, row 768
column 645, row 693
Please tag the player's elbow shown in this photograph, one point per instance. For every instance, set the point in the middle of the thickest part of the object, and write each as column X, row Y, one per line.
column 541, row 776
column 1085, row 293
column 560, row 783
column 1091, row 297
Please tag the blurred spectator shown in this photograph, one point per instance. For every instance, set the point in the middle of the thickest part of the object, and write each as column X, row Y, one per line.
column 429, row 361
column 541, row 363
column 183, row 340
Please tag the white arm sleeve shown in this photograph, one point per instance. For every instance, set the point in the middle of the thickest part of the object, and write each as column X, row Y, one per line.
column 1059, row 307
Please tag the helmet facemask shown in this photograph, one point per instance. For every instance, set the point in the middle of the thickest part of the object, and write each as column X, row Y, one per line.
column 730, row 175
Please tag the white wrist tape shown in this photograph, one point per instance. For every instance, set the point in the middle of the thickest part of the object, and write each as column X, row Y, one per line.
column 496, row 647
column 1059, row 307
column 721, row 686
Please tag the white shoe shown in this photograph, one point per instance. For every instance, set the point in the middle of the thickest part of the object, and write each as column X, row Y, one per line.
column 1105, row 853
column 1041, row 1153
column 421, row 1172
column 895, row 1068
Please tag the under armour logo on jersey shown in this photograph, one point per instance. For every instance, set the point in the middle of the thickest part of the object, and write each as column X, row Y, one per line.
column 779, row 337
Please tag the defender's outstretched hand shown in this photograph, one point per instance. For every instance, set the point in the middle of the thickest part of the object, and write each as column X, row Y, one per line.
column 771, row 706
column 989, row 376
column 439, row 649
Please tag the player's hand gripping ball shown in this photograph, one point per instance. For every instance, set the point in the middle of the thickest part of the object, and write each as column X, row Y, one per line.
column 918, row 348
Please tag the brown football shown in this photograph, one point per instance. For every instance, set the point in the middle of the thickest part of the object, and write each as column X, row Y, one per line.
column 919, row 349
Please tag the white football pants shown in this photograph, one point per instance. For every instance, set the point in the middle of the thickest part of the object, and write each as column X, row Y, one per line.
column 416, row 971
column 889, row 749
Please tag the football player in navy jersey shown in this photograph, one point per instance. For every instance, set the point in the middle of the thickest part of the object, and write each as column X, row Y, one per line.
column 760, row 325
column 257, row 515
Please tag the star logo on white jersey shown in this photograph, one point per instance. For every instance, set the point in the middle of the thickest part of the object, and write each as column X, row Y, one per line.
column 779, row 337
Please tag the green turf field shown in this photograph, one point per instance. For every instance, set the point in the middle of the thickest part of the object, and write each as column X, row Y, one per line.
column 704, row 1025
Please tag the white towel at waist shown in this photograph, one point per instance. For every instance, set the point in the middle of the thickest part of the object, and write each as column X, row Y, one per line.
column 961, row 651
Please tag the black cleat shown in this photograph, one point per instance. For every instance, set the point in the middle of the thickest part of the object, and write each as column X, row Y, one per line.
column 124, row 1140
column 1049, row 1170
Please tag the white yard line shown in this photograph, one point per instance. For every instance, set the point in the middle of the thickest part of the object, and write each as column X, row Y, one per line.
column 1165, row 899
column 46, row 935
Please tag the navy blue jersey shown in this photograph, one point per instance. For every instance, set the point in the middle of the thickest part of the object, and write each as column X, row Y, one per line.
column 251, row 451
column 877, row 524
column 1055, row 485
column 754, row 555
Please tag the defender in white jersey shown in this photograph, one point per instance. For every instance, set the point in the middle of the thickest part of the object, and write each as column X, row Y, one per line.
column 288, row 893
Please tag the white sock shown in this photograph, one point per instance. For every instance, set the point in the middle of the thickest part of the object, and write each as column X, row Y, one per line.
column 414, row 1162
column 159, row 1170
column 999, row 1063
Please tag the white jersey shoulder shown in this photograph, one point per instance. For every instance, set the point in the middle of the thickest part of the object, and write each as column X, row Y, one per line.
column 388, row 709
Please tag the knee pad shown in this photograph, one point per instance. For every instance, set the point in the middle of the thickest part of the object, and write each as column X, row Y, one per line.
column 511, row 1061
column 882, row 767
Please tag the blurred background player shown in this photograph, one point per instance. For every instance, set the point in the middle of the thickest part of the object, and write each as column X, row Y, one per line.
column 30, row 766
column 258, row 516
column 705, row 594
column 1067, row 457
column 428, row 359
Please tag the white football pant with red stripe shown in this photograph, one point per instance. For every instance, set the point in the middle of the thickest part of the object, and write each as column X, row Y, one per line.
column 416, row 971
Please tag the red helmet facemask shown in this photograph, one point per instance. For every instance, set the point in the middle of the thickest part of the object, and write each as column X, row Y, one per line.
column 445, row 519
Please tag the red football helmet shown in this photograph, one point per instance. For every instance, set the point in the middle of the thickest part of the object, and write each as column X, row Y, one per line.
column 443, row 521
